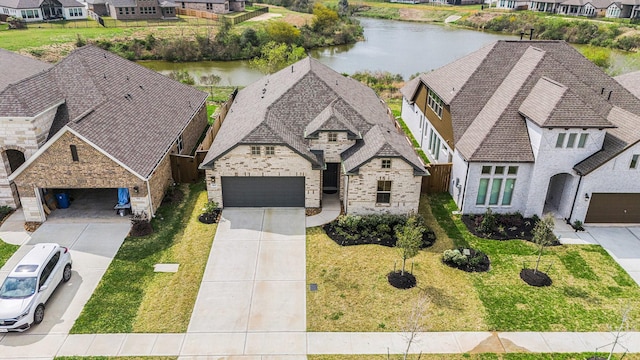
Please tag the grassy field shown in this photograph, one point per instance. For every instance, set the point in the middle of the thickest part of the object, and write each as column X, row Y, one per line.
column 131, row 297
column 486, row 356
column 31, row 38
column 588, row 292
column 6, row 250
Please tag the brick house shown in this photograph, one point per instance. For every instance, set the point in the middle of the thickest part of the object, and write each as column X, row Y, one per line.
column 531, row 127
column 133, row 9
column 308, row 130
column 214, row 6
column 39, row 10
column 96, row 121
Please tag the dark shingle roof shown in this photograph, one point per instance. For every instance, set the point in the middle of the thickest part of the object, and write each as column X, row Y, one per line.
column 309, row 96
column 32, row 4
column 470, row 86
column 118, row 105
column 21, row 67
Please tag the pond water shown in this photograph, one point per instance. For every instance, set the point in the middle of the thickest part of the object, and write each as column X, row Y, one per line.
column 398, row 47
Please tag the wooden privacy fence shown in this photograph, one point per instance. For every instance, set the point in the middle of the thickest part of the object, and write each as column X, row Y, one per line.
column 197, row 13
column 244, row 17
column 185, row 167
column 439, row 179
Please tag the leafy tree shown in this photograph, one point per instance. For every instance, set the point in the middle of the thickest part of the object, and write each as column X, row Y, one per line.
column 324, row 17
column 301, row 6
column 543, row 235
column 182, row 76
column 409, row 240
column 276, row 56
column 343, row 7
column 282, row 32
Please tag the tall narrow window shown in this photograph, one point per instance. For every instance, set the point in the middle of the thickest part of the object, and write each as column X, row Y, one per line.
column 383, row 195
column 180, row 144
column 634, row 162
column 583, row 140
column 560, row 141
column 509, row 184
column 482, row 192
column 496, row 185
column 571, row 140
column 74, row 152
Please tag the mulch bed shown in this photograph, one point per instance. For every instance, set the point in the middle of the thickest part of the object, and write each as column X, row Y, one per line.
column 533, row 278
column 481, row 265
column 32, row 226
column 210, row 218
column 513, row 229
column 312, row 211
column 141, row 228
column 428, row 238
column 174, row 195
column 399, row 281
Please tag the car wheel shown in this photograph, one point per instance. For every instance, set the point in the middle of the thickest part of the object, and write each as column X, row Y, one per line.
column 66, row 274
column 38, row 315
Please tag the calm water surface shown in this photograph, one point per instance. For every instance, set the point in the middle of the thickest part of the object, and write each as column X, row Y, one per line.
column 398, row 47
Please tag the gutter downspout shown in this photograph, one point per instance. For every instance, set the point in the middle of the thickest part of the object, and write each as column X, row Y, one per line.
column 346, row 193
column 150, row 200
column 466, row 177
column 575, row 197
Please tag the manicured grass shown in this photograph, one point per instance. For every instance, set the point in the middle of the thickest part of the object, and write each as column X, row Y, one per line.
column 211, row 109
column 395, row 104
column 6, row 250
column 482, row 356
column 354, row 294
column 116, row 358
column 588, row 292
column 22, row 39
column 131, row 297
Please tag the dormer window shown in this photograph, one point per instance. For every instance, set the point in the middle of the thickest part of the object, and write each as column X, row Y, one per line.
column 386, row 163
column 435, row 103
column 332, row 137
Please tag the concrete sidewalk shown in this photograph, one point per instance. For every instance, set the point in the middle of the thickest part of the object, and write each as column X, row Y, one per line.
column 331, row 209
column 296, row 345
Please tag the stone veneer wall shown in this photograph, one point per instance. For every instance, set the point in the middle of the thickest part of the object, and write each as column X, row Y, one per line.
column 55, row 168
column 405, row 188
column 285, row 162
column 217, row 8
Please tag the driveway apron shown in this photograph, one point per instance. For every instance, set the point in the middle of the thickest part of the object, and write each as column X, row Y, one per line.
column 92, row 246
column 252, row 299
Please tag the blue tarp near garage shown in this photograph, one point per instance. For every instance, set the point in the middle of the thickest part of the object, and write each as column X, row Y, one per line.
column 123, row 196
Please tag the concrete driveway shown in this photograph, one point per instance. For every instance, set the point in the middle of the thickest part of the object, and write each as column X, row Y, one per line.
column 253, row 295
column 92, row 246
column 621, row 242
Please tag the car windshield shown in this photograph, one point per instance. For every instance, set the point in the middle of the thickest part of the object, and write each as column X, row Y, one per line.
column 18, row 287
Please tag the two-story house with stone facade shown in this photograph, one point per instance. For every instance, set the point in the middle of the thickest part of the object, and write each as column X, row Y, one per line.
column 133, row 9
column 214, row 6
column 95, row 121
column 306, row 131
column 531, row 127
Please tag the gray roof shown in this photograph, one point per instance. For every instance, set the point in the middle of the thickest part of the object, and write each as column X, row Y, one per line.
column 118, row 105
column 512, row 68
column 551, row 104
column 123, row 3
column 631, row 81
column 21, row 67
column 207, row 1
column 309, row 96
column 33, row 4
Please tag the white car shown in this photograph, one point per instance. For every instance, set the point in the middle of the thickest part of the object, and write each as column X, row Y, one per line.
column 29, row 285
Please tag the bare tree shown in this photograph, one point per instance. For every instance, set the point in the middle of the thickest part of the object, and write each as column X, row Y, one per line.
column 414, row 323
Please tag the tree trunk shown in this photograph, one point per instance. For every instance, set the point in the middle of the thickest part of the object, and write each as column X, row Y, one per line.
column 404, row 261
column 535, row 271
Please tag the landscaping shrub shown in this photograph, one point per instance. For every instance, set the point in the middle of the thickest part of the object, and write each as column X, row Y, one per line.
column 500, row 226
column 475, row 261
column 5, row 211
column 372, row 229
column 210, row 213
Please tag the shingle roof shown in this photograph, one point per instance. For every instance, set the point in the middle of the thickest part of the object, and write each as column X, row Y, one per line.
column 118, row 105
column 32, row 4
column 631, row 81
column 21, row 67
column 309, row 96
column 551, row 104
column 123, row 3
column 479, row 76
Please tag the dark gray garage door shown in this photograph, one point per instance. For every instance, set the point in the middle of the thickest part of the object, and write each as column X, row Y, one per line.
column 613, row 208
column 263, row 191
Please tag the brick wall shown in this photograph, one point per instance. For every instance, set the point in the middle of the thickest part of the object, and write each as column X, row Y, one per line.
column 160, row 181
column 216, row 8
column 331, row 150
column 55, row 168
column 285, row 162
column 405, row 188
column 194, row 130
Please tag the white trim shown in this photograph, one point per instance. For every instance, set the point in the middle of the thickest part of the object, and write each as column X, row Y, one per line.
column 151, row 212
column 43, row 215
column 55, row 138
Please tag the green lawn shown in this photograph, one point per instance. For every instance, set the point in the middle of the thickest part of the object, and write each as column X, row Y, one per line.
column 588, row 293
column 6, row 250
column 116, row 358
column 131, row 297
column 482, row 356
column 22, row 39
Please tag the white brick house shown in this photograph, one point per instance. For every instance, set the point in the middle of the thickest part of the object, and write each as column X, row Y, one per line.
column 306, row 131
column 531, row 127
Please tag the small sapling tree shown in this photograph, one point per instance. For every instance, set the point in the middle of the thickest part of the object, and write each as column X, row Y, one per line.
column 409, row 241
column 543, row 236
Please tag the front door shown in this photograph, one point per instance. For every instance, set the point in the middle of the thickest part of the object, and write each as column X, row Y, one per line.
column 330, row 183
